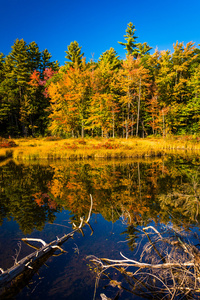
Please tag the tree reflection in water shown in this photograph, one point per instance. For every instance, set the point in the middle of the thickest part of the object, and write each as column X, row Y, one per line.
column 162, row 191
column 136, row 191
column 19, row 184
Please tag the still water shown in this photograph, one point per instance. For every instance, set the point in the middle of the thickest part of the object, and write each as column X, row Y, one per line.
column 42, row 200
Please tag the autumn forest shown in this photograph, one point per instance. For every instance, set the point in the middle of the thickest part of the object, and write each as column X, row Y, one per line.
column 144, row 94
column 109, row 146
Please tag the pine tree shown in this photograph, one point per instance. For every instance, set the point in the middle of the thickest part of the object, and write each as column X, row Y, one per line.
column 20, row 66
column 22, row 105
column 110, row 58
column 34, row 57
column 74, row 54
column 130, row 44
column 2, row 61
column 143, row 49
column 46, row 62
column 19, row 75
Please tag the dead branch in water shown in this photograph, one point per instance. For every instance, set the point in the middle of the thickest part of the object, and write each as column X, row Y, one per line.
column 168, row 268
column 29, row 264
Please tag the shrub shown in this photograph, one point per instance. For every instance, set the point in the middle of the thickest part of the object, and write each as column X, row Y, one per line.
column 53, row 138
column 81, row 142
column 4, row 143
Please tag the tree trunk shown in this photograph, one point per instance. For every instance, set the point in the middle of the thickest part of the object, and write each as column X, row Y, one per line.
column 123, row 124
column 138, row 113
column 126, row 129
column 82, row 129
column 127, row 120
column 132, row 125
column 113, row 115
column 163, row 123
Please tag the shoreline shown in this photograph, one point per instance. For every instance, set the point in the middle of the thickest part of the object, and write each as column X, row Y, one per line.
column 78, row 148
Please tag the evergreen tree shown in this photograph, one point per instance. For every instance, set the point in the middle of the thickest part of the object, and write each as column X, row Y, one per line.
column 22, row 105
column 143, row 49
column 110, row 58
column 74, row 54
column 2, row 61
column 20, row 66
column 46, row 62
column 20, row 74
column 34, row 56
column 130, row 44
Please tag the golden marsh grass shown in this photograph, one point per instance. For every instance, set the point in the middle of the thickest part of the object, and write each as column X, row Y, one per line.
column 44, row 148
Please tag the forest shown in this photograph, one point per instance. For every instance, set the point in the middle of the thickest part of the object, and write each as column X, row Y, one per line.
column 144, row 94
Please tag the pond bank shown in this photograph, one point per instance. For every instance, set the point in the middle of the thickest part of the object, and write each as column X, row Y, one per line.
column 56, row 148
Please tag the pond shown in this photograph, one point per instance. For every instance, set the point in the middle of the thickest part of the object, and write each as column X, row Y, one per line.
column 141, row 209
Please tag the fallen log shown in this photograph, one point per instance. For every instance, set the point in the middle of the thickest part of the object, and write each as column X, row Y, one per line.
column 40, row 255
column 15, row 286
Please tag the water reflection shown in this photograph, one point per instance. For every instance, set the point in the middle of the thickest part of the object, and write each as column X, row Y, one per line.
column 20, row 187
column 134, row 193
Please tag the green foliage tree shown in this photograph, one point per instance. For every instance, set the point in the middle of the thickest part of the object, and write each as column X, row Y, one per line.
column 2, row 60
column 46, row 62
column 34, row 56
column 143, row 49
column 130, row 44
column 19, row 110
column 111, row 59
column 73, row 54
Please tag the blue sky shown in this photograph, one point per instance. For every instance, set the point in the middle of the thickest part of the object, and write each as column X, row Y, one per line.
column 97, row 25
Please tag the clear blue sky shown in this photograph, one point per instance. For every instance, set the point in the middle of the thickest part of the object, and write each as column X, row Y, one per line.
column 97, row 25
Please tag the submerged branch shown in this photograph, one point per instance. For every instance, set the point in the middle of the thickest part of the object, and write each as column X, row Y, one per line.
column 133, row 263
column 41, row 254
column 171, row 271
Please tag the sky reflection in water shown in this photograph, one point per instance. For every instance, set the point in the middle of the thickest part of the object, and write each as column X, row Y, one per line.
column 37, row 199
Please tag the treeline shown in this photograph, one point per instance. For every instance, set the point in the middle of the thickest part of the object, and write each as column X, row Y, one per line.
column 141, row 95
column 23, row 106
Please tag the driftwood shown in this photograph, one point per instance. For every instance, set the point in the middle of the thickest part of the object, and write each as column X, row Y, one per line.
column 171, row 269
column 32, row 262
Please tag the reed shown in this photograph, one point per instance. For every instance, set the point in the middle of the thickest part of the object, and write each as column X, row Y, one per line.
column 54, row 149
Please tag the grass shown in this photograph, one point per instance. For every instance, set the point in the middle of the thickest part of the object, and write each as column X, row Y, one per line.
column 54, row 148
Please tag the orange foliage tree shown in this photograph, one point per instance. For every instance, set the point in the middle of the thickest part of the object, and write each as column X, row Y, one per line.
column 133, row 83
column 69, row 100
